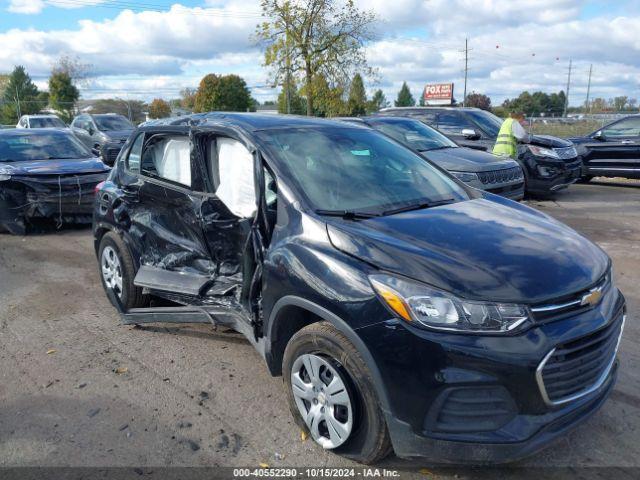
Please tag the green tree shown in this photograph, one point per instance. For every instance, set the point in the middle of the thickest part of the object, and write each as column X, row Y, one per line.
column 223, row 93
column 619, row 103
column 357, row 102
column 478, row 100
column 132, row 109
column 159, row 108
column 329, row 99
column 234, row 94
column 377, row 102
column 4, row 81
column 206, row 95
column 63, row 94
column 537, row 103
column 314, row 38
column 297, row 104
column 188, row 98
column 405, row 99
column 21, row 96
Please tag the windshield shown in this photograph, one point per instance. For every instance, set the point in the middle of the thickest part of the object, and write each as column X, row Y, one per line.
column 413, row 134
column 112, row 123
column 487, row 121
column 357, row 170
column 20, row 147
column 46, row 122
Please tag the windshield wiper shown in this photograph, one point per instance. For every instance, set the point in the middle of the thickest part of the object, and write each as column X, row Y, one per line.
column 442, row 147
column 346, row 214
column 418, row 206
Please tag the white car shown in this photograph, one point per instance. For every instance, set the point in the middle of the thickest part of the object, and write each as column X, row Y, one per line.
column 52, row 121
column 40, row 121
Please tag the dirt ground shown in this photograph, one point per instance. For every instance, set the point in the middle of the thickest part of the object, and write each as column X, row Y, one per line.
column 189, row 396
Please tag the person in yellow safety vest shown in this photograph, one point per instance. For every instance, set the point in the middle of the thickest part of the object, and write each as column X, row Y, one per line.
column 511, row 132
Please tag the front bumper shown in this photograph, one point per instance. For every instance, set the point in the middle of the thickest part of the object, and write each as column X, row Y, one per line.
column 412, row 445
column 420, row 367
column 568, row 172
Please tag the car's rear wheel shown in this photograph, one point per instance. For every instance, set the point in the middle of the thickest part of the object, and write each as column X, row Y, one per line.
column 117, row 272
column 331, row 394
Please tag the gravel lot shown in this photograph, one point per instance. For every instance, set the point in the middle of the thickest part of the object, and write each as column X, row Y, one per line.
column 191, row 396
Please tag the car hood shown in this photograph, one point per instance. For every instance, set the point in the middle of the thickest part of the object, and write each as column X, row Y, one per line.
column 54, row 167
column 549, row 141
column 117, row 135
column 483, row 249
column 467, row 160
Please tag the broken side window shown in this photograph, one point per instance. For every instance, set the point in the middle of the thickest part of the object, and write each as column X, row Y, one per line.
column 168, row 157
column 233, row 177
column 135, row 154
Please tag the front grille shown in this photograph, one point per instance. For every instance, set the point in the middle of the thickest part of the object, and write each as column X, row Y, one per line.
column 566, row 153
column 111, row 153
column 572, row 304
column 576, row 368
column 501, row 176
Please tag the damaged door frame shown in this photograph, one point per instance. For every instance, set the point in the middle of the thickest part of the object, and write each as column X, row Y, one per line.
column 250, row 325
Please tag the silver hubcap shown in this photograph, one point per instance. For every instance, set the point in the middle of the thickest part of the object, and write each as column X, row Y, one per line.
column 111, row 270
column 322, row 399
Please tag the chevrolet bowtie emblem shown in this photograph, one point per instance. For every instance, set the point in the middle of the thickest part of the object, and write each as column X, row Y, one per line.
column 591, row 298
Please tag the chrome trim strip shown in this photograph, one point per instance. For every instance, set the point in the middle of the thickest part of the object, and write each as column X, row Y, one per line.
column 559, row 306
column 616, row 169
column 593, row 388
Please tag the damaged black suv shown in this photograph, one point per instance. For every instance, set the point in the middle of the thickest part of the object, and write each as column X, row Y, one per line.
column 404, row 309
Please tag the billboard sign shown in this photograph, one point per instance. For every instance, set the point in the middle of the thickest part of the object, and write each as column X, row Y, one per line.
column 438, row 94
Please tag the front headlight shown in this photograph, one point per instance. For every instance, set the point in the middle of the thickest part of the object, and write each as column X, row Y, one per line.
column 465, row 176
column 426, row 306
column 543, row 152
column 5, row 174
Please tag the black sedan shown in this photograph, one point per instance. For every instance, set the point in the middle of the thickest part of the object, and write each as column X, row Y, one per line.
column 46, row 173
column 612, row 151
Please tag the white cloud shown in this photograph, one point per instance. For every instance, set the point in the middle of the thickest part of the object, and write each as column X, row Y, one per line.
column 33, row 7
column 27, row 7
column 138, row 52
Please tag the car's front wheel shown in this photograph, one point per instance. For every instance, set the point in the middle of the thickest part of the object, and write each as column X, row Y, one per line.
column 331, row 394
column 117, row 271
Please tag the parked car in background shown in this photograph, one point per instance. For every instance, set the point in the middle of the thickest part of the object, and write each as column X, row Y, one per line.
column 549, row 163
column 611, row 151
column 478, row 169
column 53, row 121
column 106, row 132
column 40, row 121
column 404, row 309
column 46, row 173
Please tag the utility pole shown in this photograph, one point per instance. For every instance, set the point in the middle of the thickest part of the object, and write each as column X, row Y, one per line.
column 587, row 108
column 566, row 98
column 18, row 103
column 466, row 69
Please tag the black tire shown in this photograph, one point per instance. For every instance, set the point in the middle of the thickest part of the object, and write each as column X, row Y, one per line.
column 132, row 296
column 369, row 440
column 585, row 179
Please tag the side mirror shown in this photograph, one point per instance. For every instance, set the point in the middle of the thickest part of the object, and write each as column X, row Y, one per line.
column 470, row 134
column 91, row 130
column 599, row 136
column 96, row 152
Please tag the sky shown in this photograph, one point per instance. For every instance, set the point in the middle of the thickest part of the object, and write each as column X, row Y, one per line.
column 154, row 48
